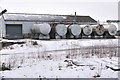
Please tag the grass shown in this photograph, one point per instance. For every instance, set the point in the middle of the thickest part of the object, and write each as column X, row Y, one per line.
column 14, row 61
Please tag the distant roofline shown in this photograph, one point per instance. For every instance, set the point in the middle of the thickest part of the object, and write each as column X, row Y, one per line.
column 49, row 21
column 47, row 14
column 93, row 20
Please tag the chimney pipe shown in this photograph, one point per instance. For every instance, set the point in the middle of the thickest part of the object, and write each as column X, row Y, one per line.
column 75, row 15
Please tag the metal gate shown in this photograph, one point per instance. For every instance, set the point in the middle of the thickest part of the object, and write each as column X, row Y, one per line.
column 14, row 31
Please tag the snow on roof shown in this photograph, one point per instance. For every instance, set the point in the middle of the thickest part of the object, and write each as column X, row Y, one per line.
column 32, row 17
column 45, row 17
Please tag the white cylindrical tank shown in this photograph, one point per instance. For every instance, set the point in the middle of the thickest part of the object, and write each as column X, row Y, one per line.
column 35, row 29
column 41, row 28
column 112, row 29
column 75, row 29
column 87, row 30
column 61, row 29
column 99, row 29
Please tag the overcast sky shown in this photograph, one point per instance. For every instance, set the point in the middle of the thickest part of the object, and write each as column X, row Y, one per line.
column 98, row 9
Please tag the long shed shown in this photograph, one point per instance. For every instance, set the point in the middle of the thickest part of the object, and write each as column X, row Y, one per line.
column 15, row 25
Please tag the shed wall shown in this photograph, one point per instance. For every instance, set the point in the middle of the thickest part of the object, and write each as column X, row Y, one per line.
column 2, row 27
column 26, row 26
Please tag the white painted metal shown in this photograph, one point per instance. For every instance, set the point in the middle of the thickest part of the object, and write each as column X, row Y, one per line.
column 41, row 28
column 112, row 29
column 87, row 30
column 75, row 29
column 45, row 28
column 61, row 29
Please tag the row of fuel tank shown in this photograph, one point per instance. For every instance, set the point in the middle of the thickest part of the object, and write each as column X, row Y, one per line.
column 46, row 31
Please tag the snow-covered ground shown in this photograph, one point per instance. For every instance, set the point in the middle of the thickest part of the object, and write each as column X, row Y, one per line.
column 54, row 45
column 84, row 58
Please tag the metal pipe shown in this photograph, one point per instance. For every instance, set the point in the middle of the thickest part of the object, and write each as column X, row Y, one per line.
column 1, row 26
column 75, row 16
column 1, row 14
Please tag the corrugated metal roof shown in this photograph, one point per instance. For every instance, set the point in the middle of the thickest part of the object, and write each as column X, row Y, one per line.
column 81, row 18
column 45, row 17
column 32, row 17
